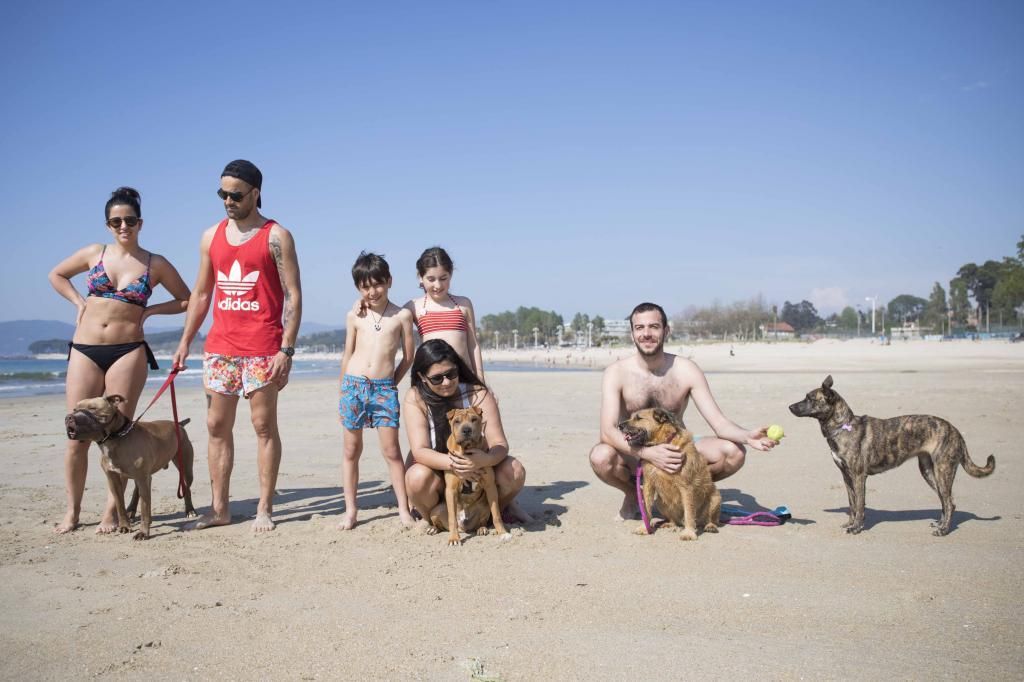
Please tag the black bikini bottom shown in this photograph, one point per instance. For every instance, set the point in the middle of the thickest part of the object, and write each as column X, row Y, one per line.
column 106, row 355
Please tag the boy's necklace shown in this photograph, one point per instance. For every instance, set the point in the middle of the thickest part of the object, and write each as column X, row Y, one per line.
column 376, row 323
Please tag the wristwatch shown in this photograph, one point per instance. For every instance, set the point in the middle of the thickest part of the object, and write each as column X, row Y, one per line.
column 288, row 350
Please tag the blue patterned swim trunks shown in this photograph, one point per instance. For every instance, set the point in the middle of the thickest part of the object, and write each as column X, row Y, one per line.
column 368, row 402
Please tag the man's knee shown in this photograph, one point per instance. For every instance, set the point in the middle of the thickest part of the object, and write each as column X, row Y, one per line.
column 732, row 457
column 265, row 426
column 603, row 458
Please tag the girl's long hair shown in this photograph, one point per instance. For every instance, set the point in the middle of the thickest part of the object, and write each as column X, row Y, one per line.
column 428, row 354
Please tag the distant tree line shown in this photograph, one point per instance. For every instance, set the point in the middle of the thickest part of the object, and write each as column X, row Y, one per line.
column 524, row 320
column 996, row 288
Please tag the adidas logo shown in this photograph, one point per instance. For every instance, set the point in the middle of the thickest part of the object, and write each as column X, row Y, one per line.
column 233, row 284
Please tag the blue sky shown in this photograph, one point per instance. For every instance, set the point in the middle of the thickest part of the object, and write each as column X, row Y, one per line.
column 578, row 157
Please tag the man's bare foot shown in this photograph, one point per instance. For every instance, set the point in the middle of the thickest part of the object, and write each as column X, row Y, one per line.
column 210, row 520
column 628, row 511
column 407, row 520
column 69, row 524
column 516, row 513
column 348, row 521
column 263, row 523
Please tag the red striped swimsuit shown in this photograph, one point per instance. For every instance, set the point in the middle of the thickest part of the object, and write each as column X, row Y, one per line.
column 433, row 321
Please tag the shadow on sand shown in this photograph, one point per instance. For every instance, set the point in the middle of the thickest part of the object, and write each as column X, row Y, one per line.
column 872, row 517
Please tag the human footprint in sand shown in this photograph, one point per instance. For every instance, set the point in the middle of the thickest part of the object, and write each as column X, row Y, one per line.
column 369, row 381
column 654, row 378
column 441, row 381
column 249, row 271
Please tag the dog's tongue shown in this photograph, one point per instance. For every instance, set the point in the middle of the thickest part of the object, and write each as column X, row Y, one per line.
column 70, row 426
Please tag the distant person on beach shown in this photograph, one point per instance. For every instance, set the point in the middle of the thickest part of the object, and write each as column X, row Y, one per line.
column 441, row 381
column 654, row 378
column 249, row 272
column 369, row 380
column 108, row 354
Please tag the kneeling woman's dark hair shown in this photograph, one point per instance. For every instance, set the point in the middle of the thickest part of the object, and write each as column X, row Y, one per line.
column 430, row 353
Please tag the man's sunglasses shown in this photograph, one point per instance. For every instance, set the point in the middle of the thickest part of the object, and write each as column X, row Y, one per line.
column 130, row 221
column 438, row 379
column 234, row 196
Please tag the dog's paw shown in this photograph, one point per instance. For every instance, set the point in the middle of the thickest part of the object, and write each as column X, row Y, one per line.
column 688, row 534
column 432, row 530
column 505, row 537
column 940, row 531
column 454, row 541
column 711, row 528
column 139, row 535
column 640, row 530
column 483, row 530
column 124, row 529
column 854, row 529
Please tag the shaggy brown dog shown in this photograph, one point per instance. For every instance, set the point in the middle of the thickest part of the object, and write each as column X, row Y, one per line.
column 688, row 498
column 130, row 452
column 468, row 505
column 863, row 445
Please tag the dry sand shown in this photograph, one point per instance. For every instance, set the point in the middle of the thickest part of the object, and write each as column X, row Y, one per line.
column 572, row 596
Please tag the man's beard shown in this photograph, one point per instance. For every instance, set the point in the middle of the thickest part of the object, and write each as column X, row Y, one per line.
column 650, row 353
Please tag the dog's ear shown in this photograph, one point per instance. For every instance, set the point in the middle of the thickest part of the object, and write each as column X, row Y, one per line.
column 451, row 413
column 663, row 416
column 479, row 411
column 827, row 383
column 115, row 399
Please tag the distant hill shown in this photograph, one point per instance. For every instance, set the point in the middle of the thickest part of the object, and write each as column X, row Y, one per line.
column 16, row 336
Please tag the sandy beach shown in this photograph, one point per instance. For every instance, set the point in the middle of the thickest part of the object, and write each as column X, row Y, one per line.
column 574, row 595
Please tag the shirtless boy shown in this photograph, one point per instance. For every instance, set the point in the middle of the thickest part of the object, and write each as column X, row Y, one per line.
column 369, row 380
column 654, row 378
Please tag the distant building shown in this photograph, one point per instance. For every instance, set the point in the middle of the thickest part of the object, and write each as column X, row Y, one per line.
column 616, row 329
column 777, row 330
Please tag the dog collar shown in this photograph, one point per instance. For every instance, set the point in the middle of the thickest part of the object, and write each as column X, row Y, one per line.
column 125, row 430
column 844, row 427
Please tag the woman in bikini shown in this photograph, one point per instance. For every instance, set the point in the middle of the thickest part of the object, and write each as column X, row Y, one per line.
column 439, row 314
column 108, row 354
column 441, row 380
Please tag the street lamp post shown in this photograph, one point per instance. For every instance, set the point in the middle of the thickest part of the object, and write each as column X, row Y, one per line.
column 535, row 333
column 858, row 321
column 874, row 300
column 590, row 334
column 558, row 330
column 515, row 339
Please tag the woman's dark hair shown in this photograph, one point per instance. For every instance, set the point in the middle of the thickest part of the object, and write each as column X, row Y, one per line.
column 428, row 354
column 434, row 257
column 124, row 196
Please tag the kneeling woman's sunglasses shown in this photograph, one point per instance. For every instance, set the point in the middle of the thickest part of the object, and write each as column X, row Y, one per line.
column 438, row 379
column 115, row 223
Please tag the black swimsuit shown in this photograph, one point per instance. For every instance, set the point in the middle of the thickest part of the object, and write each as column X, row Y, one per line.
column 105, row 355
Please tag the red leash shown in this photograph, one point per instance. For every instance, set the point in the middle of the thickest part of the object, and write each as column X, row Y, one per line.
column 182, row 484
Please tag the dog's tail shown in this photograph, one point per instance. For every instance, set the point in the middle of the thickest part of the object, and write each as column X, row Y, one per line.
column 977, row 471
column 184, row 422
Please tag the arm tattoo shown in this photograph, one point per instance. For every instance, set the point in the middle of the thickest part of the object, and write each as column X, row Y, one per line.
column 278, row 256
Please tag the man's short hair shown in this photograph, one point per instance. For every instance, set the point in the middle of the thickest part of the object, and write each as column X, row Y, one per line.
column 370, row 268
column 646, row 308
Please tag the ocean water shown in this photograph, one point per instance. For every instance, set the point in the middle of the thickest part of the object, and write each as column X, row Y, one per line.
column 30, row 376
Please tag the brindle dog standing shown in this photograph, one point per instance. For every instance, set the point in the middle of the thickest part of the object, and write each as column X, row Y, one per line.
column 467, row 427
column 688, row 498
column 133, row 453
column 864, row 445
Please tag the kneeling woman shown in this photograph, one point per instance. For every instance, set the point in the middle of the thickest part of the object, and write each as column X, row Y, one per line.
column 442, row 381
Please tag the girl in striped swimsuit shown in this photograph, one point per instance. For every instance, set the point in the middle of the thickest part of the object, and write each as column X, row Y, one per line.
column 439, row 314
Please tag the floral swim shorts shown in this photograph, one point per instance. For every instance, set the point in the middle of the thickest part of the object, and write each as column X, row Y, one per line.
column 368, row 402
column 236, row 374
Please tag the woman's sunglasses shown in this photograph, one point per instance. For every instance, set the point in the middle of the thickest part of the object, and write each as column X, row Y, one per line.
column 438, row 379
column 130, row 221
column 234, row 196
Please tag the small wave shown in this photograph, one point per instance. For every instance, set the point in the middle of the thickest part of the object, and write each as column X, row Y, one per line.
column 8, row 377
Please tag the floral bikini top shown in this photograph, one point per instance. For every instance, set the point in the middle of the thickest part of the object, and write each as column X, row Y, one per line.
column 137, row 292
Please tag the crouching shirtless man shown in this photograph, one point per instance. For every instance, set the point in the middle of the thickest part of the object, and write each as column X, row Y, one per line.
column 654, row 378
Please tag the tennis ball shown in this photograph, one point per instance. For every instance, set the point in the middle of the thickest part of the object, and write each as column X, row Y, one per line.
column 775, row 432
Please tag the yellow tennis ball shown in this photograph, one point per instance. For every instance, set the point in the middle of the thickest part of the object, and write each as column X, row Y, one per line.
column 775, row 432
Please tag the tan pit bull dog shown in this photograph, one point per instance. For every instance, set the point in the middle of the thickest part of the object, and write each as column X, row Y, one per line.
column 467, row 509
column 131, row 452
column 687, row 498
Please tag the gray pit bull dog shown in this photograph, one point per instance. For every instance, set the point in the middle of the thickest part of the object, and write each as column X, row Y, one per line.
column 864, row 445
column 131, row 452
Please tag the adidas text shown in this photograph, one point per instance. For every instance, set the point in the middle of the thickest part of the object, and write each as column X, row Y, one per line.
column 235, row 304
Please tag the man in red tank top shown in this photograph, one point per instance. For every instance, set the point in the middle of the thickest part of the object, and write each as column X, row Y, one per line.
column 249, row 273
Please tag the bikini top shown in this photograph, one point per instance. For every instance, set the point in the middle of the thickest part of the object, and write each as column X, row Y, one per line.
column 432, row 321
column 137, row 292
